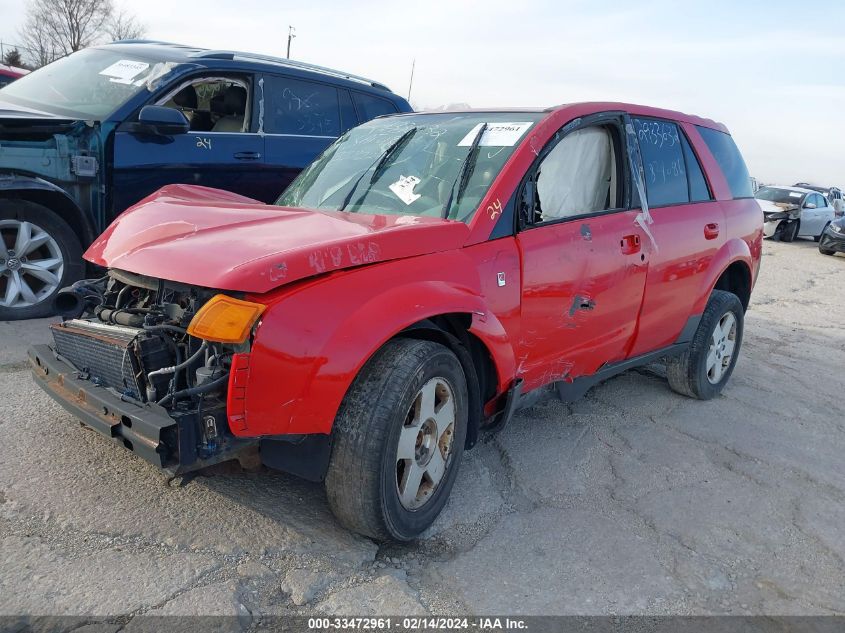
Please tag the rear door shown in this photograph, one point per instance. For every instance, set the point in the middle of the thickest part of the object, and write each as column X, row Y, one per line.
column 688, row 229
column 230, row 160
column 584, row 259
column 301, row 119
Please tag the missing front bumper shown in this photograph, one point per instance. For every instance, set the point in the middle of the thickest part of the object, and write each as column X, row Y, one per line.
column 170, row 442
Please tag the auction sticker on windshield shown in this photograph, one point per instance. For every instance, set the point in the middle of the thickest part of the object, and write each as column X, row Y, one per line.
column 125, row 70
column 497, row 134
column 404, row 188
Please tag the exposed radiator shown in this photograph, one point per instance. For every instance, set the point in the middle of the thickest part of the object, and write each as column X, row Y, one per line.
column 108, row 353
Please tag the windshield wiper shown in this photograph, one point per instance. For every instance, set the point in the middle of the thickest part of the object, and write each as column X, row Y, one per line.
column 466, row 171
column 379, row 165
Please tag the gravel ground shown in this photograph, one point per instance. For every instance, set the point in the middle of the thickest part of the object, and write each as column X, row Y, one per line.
column 633, row 500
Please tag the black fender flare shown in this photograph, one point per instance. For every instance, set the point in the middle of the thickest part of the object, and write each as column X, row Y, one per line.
column 53, row 197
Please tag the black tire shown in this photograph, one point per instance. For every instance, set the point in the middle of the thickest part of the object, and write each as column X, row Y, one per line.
column 789, row 232
column 687, row 373
column 361, row 481
column 825, row 251
column 69, row 247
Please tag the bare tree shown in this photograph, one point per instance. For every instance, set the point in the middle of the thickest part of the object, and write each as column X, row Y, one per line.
column 13, row 58
column 124, row 26
column 40, row 46
column 55, row 28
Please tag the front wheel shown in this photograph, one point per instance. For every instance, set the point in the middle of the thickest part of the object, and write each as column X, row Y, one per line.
column 398, row 439
column 705, row 367
column 39, row 255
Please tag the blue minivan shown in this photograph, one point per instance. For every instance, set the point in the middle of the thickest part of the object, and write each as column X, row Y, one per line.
column 89, row 135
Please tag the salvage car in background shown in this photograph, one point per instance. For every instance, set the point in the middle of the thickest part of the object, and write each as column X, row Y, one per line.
column 424, row 277
column 91, row 134
column 8, row 74
column 791, row 212
column 833, row 239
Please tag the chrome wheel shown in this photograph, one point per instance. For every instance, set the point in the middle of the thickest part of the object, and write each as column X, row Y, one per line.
column 31, row 264
column 722, row 343
column 425, row 443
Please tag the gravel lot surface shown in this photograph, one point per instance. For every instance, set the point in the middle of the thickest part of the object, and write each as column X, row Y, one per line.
column 633, row 500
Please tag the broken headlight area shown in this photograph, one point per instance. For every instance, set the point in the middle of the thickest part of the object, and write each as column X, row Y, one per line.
column 771, row 217
column 137, row 338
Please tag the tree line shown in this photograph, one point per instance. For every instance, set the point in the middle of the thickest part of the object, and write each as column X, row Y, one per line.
column 55, row 28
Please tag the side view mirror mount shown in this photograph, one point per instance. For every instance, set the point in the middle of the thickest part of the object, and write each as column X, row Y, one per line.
column 162, row 121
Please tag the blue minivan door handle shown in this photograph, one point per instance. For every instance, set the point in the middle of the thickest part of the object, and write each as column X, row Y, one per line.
column 247, row 155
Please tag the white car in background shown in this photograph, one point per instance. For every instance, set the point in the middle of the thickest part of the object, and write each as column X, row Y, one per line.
column 790, row 212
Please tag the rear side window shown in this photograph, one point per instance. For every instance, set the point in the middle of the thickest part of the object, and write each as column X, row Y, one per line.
column 698, row 191
column 295, row 106
column 730, row 161
column 663, row 162
column 369, row 106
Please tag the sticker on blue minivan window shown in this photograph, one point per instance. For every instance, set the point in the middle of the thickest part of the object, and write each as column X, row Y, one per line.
column 124, row 71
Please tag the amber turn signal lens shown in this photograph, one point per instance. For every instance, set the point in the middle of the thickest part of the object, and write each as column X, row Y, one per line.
column 224, row 319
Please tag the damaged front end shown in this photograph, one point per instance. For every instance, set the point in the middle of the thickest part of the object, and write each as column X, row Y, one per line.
column 780, row 218
column 148, row 363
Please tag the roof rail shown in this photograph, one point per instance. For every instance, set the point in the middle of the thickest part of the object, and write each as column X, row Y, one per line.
column 223, row 54
column 142, row 41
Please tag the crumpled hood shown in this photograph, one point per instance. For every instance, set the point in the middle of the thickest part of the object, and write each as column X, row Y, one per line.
column 9, row 110
column 776, row 207
column 212, row 238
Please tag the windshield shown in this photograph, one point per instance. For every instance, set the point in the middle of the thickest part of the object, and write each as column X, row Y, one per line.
column 782, row 196
column 90, row 83
column 437, row 165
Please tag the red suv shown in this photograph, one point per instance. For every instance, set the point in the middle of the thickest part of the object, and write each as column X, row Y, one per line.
column 421, row 280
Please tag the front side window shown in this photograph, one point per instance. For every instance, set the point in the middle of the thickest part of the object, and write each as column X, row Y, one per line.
column 436, row 165
column 727, row 155
column 577, row 176
column 91, row 83
column 300, row 107
column 213, row 104
column 663, row 162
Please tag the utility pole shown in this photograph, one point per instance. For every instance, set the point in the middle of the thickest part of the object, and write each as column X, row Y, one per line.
column 411, row 82
column 291, row 35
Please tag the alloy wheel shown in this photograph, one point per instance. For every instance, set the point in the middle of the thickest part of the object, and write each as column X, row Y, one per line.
column 722, row 344
column 31, row 264
column 425, row 443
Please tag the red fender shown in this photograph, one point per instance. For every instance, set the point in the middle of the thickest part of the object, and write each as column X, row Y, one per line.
column 315, row 338
column 733, row 250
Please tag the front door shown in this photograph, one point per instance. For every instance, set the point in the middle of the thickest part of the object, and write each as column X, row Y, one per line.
column 584, row 258
column 222, row 149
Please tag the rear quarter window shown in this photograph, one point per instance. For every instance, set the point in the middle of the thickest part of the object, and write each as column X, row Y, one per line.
column 730, row 161
column 370, row 106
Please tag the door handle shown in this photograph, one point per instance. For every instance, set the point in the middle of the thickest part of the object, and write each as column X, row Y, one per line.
column 630, row 244
column 247, row 155
column 711, row 231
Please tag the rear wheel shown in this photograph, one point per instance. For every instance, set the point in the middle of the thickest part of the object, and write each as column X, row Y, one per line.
column 398, row 440
column 39, row 255
column 705, row 367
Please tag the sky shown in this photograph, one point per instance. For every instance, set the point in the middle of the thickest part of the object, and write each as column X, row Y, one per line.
column 773, row 72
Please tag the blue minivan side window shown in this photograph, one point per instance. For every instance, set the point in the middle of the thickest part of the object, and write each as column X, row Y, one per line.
column 369, row 106
column 297, row 106
column 730, row 161
column 663, row 162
